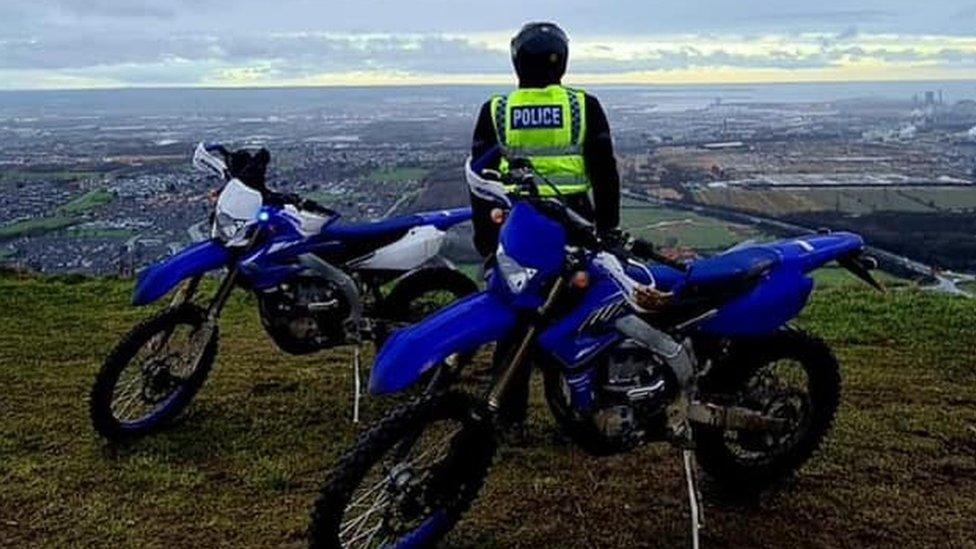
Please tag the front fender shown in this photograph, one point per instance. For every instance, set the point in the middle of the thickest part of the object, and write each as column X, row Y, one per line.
column 158, row 279
column 458, row 328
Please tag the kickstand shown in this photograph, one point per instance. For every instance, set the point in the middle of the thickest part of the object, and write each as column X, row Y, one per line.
column 357, row 385
column 694, row 496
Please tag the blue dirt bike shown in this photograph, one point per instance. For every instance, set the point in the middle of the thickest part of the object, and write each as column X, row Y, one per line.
column 318, row 283
column 697, row 354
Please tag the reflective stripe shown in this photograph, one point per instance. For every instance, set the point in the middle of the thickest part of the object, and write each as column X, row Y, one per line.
column 575, row 117
column 567, row 180
column 518, row 152
column 564, row 190
column 500, row 115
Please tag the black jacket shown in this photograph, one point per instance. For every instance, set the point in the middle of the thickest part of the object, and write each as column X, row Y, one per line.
column 601, row 169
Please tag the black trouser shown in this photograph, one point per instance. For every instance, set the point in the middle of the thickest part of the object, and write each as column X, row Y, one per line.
column 515, row 405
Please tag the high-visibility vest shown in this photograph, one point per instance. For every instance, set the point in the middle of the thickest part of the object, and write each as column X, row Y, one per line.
column 547, row 126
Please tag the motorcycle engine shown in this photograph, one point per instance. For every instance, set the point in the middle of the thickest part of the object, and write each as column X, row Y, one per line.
column 305, row 315
column 636, row 387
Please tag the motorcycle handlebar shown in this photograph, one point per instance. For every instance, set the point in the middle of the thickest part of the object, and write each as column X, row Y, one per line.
column 525, row 179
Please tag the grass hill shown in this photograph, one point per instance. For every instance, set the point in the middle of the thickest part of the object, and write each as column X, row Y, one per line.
column 243, row 468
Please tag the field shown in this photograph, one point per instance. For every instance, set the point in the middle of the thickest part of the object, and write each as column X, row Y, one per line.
column 778, row 202
column 671, row 228
column 67, row 215
column 38, row 226
column 243, row 468
column 82, row 232
column 88, row 201
column 20, row 176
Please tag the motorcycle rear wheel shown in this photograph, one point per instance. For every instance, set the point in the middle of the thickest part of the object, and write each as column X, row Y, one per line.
column 791, row 375
column 424, row 292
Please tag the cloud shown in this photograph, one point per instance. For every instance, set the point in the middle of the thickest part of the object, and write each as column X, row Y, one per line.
column 188, row 42
column 824, row 16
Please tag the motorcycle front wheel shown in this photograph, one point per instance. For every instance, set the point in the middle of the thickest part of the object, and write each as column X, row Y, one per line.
column 153, row 373
column 409, row 479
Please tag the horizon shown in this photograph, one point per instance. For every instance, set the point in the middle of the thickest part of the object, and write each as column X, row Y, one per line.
column 486, row 84
column 113, row 44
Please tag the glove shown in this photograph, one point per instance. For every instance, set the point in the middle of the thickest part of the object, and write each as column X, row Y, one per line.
column 642, row 248
column 652, row 300
column 613, row 238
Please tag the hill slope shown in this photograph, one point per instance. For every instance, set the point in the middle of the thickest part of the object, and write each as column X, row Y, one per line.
column 243, row 468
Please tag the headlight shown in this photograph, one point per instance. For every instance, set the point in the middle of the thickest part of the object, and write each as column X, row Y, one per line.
column 229, row 229
column 516, row 276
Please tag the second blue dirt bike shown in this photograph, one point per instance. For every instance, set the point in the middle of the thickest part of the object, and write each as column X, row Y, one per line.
column 319, row 283
column 698, row 354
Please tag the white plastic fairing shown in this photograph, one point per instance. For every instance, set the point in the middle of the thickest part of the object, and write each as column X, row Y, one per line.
column 516, row 276
column 204, row 161
column 237, row 208
column 411, row 251
column 628, row 286
column 307, row 223
column 485, row 188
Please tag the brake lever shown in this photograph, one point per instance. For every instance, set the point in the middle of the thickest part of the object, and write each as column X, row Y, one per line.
column 643, row 249
column 668, row 262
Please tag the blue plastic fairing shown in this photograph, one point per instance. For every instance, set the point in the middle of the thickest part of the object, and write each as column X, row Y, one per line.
column 157, row 280
column 459, row 328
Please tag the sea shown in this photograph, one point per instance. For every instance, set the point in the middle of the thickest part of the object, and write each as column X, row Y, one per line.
column 245, row 102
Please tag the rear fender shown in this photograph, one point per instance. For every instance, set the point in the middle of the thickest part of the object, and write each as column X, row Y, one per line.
column 461, row 327
column 158, row 279
column 814, row 251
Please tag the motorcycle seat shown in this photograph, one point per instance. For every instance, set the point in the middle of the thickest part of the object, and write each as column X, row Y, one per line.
column 393, row 228
column 729, row 272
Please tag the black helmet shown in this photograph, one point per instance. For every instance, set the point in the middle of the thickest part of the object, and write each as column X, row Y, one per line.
column 539, row 53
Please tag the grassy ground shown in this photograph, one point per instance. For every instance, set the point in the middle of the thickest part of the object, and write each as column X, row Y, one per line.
column 243, row 468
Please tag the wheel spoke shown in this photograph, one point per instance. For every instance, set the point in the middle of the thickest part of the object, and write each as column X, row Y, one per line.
column 444, row 443
column 378, row 505
column 371, row 491
column 370, row 533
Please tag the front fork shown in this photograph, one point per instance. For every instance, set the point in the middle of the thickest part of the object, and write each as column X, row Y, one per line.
column 186, row 292
column 498, row 390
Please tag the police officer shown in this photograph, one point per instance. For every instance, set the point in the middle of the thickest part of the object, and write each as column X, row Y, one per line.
column 562, row 131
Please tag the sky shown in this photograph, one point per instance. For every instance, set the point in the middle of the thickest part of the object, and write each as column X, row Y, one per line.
column 55, row 44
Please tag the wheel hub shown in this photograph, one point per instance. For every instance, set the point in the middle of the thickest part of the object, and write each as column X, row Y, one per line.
column 157, row 380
